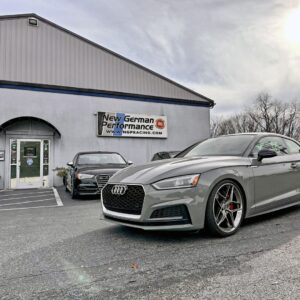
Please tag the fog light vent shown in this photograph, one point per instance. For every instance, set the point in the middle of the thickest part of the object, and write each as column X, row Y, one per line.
column 171, row 212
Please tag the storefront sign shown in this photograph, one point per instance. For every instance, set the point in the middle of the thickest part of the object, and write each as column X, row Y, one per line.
column 131, row 125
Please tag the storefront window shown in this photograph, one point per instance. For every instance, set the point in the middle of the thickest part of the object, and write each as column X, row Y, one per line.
column 13, row 159
column 13, row 154
column 46, row 158
column 13, row 171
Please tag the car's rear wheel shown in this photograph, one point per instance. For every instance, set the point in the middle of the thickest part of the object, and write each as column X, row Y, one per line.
column 225, row 209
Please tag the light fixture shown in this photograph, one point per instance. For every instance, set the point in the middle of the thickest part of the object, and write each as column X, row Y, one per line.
column 32, row 21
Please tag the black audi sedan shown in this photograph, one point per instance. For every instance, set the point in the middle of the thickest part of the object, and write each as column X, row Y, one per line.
column 88, row 172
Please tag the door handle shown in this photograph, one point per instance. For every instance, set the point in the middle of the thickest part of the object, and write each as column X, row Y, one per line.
column 294, row 165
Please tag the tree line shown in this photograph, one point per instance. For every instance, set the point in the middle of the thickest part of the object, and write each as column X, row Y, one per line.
column 265, row 115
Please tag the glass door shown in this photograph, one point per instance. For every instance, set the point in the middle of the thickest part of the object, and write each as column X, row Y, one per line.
column 29, row 163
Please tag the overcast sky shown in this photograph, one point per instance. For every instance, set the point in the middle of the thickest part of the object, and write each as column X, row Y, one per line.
column 227, row 50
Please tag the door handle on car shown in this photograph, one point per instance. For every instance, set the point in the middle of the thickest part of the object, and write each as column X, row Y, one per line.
column 294, row 165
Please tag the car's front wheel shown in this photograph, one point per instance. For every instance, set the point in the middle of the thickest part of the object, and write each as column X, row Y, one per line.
column 225, row 209
column 74, row 193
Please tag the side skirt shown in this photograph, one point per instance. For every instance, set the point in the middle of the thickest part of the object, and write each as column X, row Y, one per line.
column 274, row 209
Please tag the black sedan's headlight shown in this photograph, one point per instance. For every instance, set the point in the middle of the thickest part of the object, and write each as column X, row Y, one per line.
column 81, row 176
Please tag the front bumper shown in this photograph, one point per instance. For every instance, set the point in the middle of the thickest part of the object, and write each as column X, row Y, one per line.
column 88, row 188
column 191, row 198
column 91, row 186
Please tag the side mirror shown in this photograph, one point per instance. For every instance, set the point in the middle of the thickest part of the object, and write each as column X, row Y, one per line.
column 265, row 153
column 70, row 164
column 129, row 162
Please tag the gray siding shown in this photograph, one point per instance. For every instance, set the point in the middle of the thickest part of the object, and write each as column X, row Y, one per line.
column 74, row 117
column 49, row 55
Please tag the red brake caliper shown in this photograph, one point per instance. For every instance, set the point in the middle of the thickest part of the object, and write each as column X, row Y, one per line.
column 231, row 206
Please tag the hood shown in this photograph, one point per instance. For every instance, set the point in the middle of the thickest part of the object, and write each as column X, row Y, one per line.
column 158, row 170
column 99, row 169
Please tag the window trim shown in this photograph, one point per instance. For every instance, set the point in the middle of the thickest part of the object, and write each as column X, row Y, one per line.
column 289, row 139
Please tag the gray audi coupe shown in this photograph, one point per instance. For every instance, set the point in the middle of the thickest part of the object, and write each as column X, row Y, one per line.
column 214, row 184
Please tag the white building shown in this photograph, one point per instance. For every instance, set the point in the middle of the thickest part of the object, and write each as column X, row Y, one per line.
column 53, row 84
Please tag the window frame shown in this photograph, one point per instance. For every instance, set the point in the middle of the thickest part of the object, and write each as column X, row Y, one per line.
column 286, row 138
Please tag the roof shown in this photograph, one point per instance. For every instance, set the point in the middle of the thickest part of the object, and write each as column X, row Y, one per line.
column 140, row 81
column 97, row 152
column 255, row 133
column 263, row 133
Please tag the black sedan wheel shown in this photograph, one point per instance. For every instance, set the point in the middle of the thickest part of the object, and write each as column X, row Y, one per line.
column 225, row 209
column 74, row 193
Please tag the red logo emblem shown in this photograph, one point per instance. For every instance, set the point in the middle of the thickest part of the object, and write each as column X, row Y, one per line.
column 160, row 123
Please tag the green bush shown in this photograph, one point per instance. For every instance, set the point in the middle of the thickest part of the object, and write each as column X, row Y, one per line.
column 61, row 171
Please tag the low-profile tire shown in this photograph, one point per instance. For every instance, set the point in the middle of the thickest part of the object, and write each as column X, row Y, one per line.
column 74, row 194
column 225, row 209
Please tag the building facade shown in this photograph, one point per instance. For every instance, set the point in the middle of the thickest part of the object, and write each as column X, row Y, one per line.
column 54, row 85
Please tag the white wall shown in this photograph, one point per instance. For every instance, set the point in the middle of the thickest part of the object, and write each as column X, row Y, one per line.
column 74, row 116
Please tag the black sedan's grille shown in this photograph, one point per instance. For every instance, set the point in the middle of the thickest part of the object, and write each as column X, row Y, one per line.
column 130, row 203
column 101, row 180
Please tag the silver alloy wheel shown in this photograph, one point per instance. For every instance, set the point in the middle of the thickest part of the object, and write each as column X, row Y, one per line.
column 228, row 207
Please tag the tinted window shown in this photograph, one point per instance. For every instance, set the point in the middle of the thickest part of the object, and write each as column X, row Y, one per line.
column 292, row 146
column 100, row 158
column 234, row 145
column 270, row 143
column 161, row 155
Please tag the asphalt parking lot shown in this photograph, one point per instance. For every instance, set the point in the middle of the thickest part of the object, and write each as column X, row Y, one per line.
column 68, row 252
column 29, row 199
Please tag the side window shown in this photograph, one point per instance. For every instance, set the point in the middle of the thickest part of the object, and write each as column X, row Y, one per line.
column 292, row 147
column 270, row 143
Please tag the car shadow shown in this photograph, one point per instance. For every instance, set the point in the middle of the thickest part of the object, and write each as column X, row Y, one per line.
column 67, row 199
column 278, row 214
column 253, row 224
column 87, row 198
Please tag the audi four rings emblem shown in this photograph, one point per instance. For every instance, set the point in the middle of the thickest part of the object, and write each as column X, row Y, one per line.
column 119, row 189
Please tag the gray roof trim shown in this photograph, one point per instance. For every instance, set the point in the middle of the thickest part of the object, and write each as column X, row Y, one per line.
column 99, row 93
column 16, row 16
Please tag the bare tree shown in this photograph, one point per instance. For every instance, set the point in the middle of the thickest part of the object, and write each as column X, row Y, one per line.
column 265, row 115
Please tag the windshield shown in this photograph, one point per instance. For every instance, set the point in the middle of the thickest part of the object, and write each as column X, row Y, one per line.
column 225, row 145
column 100, row 159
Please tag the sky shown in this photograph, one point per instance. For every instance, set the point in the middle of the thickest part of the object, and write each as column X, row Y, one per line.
column 227, row 50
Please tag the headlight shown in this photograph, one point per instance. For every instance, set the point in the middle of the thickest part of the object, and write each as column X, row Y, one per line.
column 177, row 182
column 84, row 176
